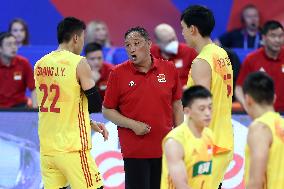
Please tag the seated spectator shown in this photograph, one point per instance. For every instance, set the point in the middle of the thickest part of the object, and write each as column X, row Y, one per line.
column 270, row 59
column 19, row 29
column 246, row 37
column 97, row 31
column 169, row 48
column 16, row 75
column 100, row 69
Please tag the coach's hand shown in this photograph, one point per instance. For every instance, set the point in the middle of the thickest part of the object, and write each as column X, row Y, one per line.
column 100, row 127
column 140, row 128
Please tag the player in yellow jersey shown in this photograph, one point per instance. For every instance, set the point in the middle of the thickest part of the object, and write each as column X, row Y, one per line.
column 66, row 93
column 187, row 149
column 212, row 69
column 264, row 165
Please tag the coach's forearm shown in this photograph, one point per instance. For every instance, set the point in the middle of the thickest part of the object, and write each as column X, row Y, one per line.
column 239, row 94
column 178, row 113
column 117, row 118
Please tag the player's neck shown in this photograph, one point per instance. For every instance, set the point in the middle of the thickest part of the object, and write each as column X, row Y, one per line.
column 65, row 46
column 196, row 131
column 259, row 110
column 202, row 42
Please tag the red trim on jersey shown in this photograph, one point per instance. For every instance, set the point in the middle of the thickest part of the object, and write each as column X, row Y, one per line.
column 84, row 126
column 82, row 165
column 83, row 159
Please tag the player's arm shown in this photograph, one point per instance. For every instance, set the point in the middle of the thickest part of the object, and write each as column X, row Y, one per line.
column 201, row 73
column 259, row 142
column 84, row 76
column 177, row 112
column 34, row 100
column 177, row 170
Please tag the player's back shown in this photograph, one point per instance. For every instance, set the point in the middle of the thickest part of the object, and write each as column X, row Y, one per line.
column 222, row 91
column 64, row 123
column 197, row 157
column 275, row 165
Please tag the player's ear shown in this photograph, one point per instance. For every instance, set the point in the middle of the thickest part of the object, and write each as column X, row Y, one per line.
column 75, row 37
column 193, row 30
column 274, row 98
column 186, row 110
column 248, row 100
column 149, row 42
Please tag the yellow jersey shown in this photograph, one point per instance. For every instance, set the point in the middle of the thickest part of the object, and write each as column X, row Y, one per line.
column 197, row 157
column 274, row 177
column 222, row 91
column 64, row 123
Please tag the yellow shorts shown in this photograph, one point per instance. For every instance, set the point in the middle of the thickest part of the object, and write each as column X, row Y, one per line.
column 75, row 168
column 220, row 164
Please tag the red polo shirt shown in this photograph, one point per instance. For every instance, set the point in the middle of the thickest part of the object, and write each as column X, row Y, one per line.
column 259, row 61
column 102, row 82
column 182, row 59
column 145, row 97
column 14, row 81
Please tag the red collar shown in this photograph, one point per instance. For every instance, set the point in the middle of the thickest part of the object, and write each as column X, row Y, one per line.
column 279, row 57
column 13, row 63
column 154, row 65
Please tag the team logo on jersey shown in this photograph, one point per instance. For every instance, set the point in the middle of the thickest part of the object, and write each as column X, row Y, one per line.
column 202, row 168
column 161, row 78
column 131, row 83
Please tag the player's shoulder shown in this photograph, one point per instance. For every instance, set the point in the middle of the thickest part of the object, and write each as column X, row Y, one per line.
column 179, row 131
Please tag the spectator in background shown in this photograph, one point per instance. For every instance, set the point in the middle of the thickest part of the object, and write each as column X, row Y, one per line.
column 19, row 29
column 169, row 48
column 16, row 75
column 100, row 69
column 247, row 37
column 270, row 59
column 97, row 31
column 143, row 98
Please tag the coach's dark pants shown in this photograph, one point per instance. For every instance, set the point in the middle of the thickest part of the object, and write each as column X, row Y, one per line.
column 142, row 173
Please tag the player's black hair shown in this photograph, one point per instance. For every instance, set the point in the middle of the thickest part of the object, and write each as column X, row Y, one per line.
column 68, row 27
column 200, row 17
column 193, row 93
column 260, row 87
column 91, row 47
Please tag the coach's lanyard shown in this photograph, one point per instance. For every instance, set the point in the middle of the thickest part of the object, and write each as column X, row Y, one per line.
column 256, row 41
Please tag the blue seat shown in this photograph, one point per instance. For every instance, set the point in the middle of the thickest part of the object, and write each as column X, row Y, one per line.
column 242, row 53
column 119, row 56
column 34, row 52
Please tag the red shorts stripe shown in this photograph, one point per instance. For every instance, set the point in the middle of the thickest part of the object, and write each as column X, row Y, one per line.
column 88, row 169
